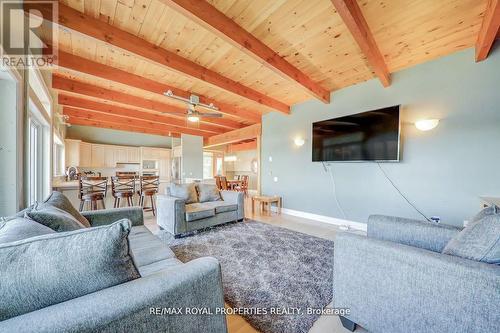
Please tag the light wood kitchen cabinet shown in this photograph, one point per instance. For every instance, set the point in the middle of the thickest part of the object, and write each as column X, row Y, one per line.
column 109, row 156
column 72, row 152
column 98, row 156
column 121, row 155
column 133, row 155
column 85, row 154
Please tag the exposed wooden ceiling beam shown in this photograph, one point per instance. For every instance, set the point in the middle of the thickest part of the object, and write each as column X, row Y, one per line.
column 102, row 124
column 87, row 25
column 215, row 21
column 354, row 20
column 82, row 103
column 489, row 30
column 83, row 65
column 252, row 145
column 77, row 87
column 245, row 133
column 92, row 115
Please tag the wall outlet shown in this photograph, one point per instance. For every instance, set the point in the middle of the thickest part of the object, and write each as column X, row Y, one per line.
column 466, row 223
column 275, row 179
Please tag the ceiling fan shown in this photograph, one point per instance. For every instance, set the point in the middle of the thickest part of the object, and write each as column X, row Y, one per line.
column 193, row 102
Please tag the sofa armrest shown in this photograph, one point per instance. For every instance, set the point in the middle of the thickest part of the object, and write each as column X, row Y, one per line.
column 108, row 216
column 138, row 305
column 235, row 198
column 390, row 287
column 171, row 214
column 422, row 234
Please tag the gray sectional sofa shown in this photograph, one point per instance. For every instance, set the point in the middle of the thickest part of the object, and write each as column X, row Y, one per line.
column 137, row 305
column 404, row 276
column 190, row 207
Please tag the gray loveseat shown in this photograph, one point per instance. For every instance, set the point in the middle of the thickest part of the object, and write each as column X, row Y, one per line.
column 181, row 216
column 397, row 280
column 165, row 283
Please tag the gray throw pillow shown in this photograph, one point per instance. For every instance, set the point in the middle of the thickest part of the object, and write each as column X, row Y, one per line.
column 50, row 269
column 480, row 241
column 54, row 218
column 21, row 228
column 186, row 192
column 208, row 192
column 490, row 210
column 59, row 200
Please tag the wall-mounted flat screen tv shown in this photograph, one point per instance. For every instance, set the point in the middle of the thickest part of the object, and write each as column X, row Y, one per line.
column 366, row 136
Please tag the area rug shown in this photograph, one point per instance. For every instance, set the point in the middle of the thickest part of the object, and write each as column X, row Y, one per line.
column 279, row 271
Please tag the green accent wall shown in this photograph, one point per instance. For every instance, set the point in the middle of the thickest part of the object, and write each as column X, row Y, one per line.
column 443, row 171
column 115, row 137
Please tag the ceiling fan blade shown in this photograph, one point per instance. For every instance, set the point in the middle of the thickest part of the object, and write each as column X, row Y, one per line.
column 210, row 115
column 174, row 113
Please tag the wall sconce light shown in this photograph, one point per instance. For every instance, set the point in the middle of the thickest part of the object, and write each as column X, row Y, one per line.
column 299, row 141
column 426, row 124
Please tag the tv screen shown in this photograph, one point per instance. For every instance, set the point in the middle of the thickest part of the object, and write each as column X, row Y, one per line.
column 366, row 136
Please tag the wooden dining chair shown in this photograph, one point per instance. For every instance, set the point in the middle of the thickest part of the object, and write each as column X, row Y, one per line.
column 123, row 188
column 92, row 189
column 243, row 187
column 223, row 183
column 148, row 188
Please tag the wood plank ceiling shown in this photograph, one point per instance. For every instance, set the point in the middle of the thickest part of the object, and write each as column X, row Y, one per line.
column 317, row 51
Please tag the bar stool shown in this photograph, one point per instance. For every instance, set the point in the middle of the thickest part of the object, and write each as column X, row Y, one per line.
column 123, row 188
column 148, row 188
column 91, row 190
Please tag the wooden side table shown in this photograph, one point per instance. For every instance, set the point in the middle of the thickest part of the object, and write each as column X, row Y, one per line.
column 266, row 201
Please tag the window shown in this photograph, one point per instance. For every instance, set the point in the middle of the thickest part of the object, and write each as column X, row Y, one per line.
column 219, row 162
column 208, row 166
column 35, row 161
column 58, row 160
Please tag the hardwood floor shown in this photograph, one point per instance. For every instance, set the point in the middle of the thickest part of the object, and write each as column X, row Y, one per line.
column 237, row 324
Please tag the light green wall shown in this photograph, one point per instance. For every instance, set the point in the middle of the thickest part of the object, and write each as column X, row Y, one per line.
column 442, row 171
column 192, row 156
column 115, row 137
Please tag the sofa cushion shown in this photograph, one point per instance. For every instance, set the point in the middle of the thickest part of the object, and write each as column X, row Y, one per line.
column 186, row 192
column 198, row 211
column 158, row 266
column 53, row 268
column 208, row 192
column 54, row 218
column 480, row 241
column 222, row 206
column 147, row 248
column 490, row 210
column 57, row 199
column 19, row 228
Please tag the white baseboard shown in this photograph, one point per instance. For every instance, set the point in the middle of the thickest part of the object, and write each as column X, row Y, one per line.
column 324, row 219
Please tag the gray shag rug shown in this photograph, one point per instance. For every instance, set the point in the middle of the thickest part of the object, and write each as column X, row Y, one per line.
column 267, row 267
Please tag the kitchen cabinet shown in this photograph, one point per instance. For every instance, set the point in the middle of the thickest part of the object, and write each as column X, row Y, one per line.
column 133, row 155
column 98, row 156
column 85, row 154
column 109, row 156
column 72, row 152
column 120, row 155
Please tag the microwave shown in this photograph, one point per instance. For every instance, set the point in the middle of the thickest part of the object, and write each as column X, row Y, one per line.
column 150, row 164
